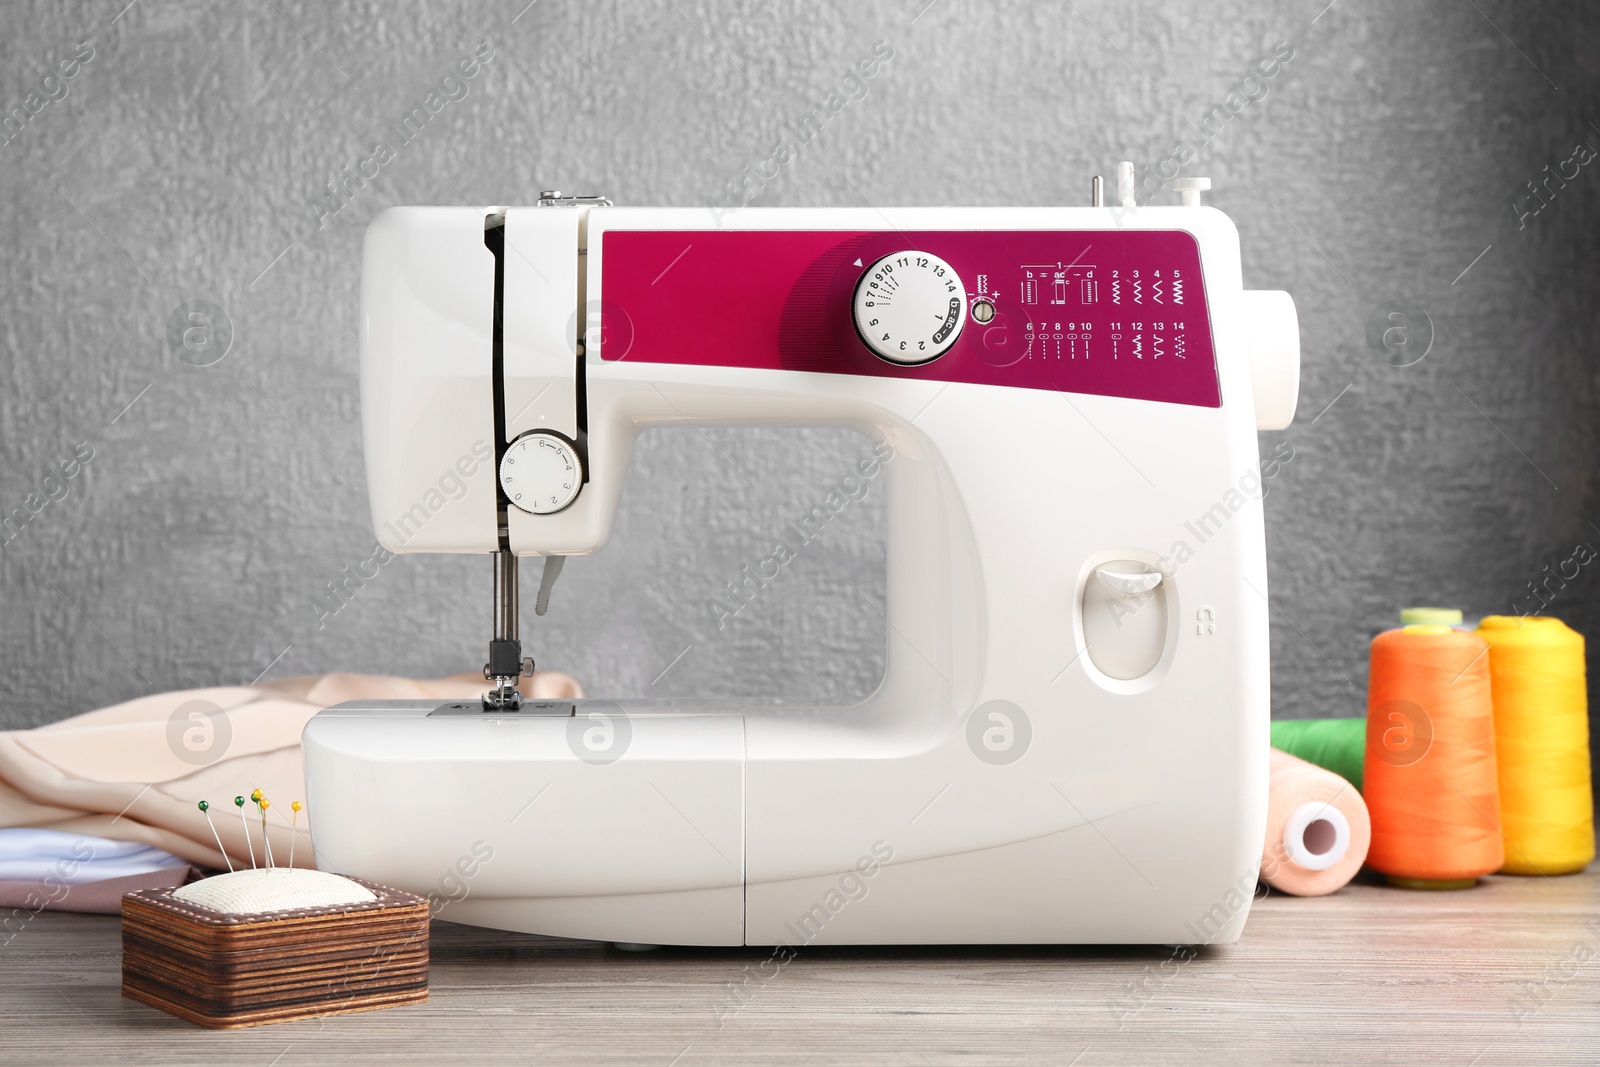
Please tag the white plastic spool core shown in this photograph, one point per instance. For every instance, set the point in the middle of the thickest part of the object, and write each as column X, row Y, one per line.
column 1316, row 835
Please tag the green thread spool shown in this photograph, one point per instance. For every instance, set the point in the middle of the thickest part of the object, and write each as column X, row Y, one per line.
column 1337, row 745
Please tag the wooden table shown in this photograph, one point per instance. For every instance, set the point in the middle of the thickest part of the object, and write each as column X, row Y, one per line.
column 1508, row 972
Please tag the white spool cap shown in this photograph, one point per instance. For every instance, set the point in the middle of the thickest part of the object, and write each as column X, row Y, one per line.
column 1316, row 835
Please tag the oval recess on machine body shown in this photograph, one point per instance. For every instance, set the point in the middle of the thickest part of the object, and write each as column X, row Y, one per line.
column 1126, row 618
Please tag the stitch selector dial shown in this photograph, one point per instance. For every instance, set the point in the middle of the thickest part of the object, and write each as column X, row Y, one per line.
column 540, row 472
column 909, row 307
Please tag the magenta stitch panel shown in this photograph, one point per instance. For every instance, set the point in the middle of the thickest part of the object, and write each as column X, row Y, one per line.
column 1113, row 313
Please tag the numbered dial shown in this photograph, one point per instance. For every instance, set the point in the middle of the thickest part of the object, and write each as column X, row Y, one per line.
column 909, row 307
column 541, row 473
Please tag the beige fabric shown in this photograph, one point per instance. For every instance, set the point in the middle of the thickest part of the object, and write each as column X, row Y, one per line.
column 110, row 772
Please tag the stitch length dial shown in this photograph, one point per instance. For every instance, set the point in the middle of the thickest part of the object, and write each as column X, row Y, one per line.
column 909, row 307
column 541, row 473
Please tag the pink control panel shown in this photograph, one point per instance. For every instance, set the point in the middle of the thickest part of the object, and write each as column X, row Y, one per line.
column 1106, row 312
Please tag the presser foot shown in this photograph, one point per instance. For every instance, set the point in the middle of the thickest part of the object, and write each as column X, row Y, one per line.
column 503, row 698
column 504, row 694
column 507, row 665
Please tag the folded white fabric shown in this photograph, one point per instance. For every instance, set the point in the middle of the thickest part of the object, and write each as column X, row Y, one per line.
column 29, row 855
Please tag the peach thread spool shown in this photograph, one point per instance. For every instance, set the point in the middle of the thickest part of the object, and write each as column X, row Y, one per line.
column 1317, row 829
column 1541, row 726
column 1430, row 780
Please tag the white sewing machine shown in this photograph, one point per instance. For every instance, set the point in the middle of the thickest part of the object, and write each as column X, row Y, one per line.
column 1070, row 742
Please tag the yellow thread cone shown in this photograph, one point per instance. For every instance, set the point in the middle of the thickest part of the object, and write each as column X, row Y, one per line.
column 1541, row 725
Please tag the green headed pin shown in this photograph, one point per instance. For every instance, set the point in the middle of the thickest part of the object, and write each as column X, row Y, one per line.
column 205, row 809
column 239, row 803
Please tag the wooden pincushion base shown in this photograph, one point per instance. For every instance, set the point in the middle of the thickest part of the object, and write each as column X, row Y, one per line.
column 224, row 971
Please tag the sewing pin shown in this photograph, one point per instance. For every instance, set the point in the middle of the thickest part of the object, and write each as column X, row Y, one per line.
column 205, row 809
column 239, row 803
column 294, row 829
column 263, row 803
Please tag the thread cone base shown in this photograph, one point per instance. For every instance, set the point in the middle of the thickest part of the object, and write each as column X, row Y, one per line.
column 1431, row 883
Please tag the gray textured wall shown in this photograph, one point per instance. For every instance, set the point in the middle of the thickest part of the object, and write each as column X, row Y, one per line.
column 186, row 159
